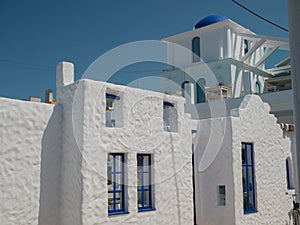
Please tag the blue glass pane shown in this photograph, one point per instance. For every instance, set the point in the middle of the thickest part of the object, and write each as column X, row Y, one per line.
column 119, row 200
column 146, row 199
column 251, row 200
column 146, row 179
column 119, row 182
column 249, row 155
column 110, row 201
column 118, row 163
column 140, row 180
column 140, row 199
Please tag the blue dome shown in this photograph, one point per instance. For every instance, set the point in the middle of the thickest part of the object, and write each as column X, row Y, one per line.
column 210, row 20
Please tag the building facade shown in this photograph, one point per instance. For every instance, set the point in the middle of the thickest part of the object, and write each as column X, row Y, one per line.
column 110, row 154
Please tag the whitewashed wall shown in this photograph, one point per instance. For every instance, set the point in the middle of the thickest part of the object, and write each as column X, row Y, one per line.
column 84, row 194
column 24, row 140
column 221, row 165
column 213, row 167
column 213, row 46
column 71, row 175
column 253, row 123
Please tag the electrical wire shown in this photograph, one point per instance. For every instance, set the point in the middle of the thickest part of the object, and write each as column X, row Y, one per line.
column 259, row 16
column 18, row 65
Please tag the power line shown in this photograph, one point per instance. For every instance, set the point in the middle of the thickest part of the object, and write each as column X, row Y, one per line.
column 259, row 16
column 18, row 65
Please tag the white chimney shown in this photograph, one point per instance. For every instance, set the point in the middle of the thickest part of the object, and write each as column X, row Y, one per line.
column 64, row 76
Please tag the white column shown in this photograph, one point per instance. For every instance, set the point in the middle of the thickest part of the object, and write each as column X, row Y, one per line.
column 247, row 82
column 189, row 94
column 294, row 36
column 229, row 44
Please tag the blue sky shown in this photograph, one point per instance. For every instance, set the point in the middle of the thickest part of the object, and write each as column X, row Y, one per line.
column 36, row 35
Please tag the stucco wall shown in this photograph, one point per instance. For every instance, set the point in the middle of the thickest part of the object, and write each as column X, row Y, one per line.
column 71, row 175
column 253, row 123
column 85, row 156
column 22, row 128
column 221, row 165
column 213, row 167
column 53, row 161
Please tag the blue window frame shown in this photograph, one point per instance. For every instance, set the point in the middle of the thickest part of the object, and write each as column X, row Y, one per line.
column 144, row 187
column 248, row 178
column 115, row 183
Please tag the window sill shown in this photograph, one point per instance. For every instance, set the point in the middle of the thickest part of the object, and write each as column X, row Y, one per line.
column 251, row 211
column 146, row 209
column 117, row 213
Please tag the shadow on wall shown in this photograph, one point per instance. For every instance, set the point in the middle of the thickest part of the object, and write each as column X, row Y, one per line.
column 49, row 212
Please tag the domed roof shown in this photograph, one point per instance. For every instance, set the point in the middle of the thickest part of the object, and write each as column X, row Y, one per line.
column 210, row 20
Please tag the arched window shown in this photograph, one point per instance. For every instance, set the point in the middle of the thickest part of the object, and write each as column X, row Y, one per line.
column 257, row 87
column 246, row 46
column 289, row 174
column 201, row 90
column 183, row 87
column 196, row 49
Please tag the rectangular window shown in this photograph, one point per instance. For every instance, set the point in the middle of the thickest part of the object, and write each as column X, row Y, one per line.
column 248, row 178
column 222, row 195
column 113, row 110
column 144, row 185
column 115, row 183
column 289, row 175
column 170, row 117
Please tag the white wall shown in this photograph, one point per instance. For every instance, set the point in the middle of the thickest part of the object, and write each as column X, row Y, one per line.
column 253, row 123
column 213, row 167
column 221, row 165
column 71, row 175
column 84, row 192
column 212, row 46
column 22, row 131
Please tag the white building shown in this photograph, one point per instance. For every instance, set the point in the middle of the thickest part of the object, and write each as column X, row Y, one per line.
column 109, row 154
column 226, row 62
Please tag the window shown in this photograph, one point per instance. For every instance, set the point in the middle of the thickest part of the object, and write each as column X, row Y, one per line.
column 246, row 46
column 248, row 178
column 144, row 186
column 196, row 49
column 115, row 183
column 221, row 195
column 183, row 87
column 289, row 175
column 201, row 90
column 113, row 110
column 257, row 87
column 170, row 117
